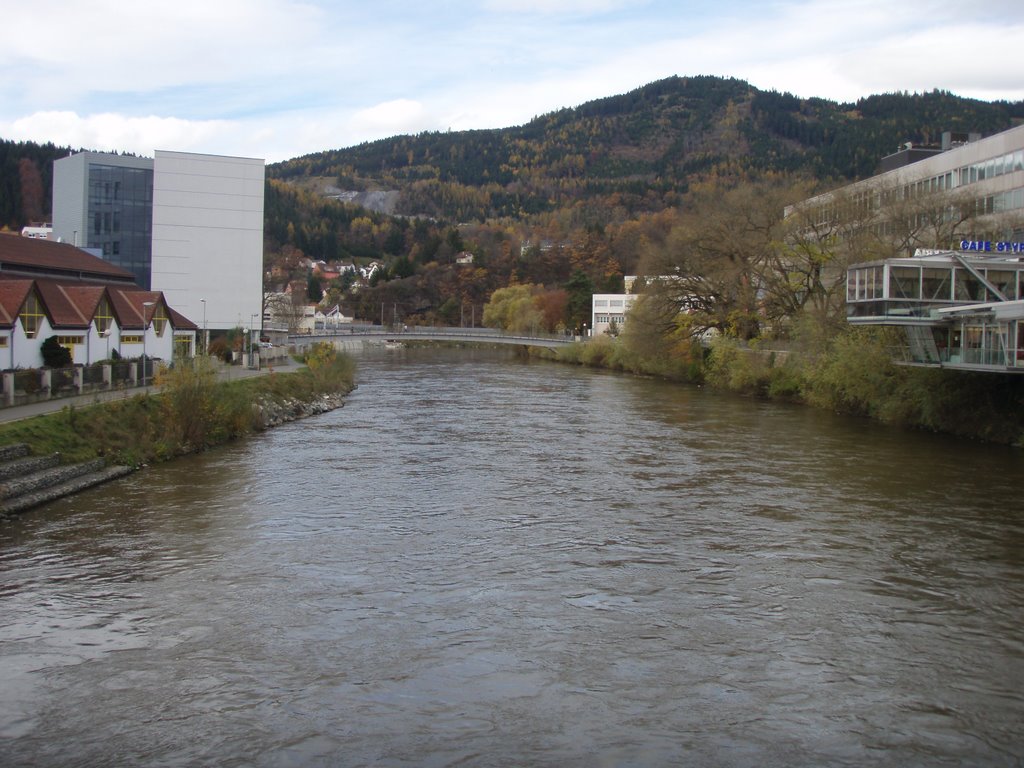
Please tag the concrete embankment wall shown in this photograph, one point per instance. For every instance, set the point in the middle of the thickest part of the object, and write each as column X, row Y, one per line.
column 340, row 344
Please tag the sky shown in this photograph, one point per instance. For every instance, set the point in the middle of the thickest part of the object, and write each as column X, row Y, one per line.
column 278, row 79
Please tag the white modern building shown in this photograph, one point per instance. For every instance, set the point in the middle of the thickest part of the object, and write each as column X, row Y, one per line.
column 609, row 310
column 187, row 225
column 208, row 237
column 989, row 172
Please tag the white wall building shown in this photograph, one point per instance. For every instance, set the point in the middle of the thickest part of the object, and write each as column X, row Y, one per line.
column 43, row 232
column 93, row 308
column 988, row 171
column 187, row 225
column 208, row 237
column 608, row 309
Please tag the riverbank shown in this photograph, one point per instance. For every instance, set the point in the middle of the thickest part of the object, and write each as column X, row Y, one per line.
column 851, row 373
column 189, row 411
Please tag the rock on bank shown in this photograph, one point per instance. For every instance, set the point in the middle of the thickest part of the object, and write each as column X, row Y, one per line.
column 272, row 413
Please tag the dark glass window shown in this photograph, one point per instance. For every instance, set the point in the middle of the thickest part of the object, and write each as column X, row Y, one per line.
column 120, row 203
column 904, row 283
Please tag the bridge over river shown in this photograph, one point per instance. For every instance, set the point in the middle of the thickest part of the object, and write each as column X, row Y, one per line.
column 382, row 335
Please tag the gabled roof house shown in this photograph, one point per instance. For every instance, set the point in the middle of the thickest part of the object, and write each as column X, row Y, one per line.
column 93, row 308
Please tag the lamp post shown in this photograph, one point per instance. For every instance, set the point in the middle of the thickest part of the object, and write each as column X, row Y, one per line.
column 252, row 347
column 145, row 328
column 206, row 342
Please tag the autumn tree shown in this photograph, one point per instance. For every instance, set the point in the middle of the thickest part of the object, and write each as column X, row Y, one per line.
column 708, row 267
column 514, row 309
column 31, row 190
column 285, row 308
column 553, row 305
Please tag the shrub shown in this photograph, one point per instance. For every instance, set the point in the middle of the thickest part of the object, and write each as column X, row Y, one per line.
column 857, row 375
column 55, row 355
column 187, row 401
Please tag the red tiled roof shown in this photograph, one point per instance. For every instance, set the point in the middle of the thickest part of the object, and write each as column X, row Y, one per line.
column 74, row 305
column 12, row 296
column 128, row 308
column 62, row 304
column 58, row 260
column 180, row 322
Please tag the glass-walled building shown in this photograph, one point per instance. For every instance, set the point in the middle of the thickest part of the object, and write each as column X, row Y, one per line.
column 957, row 309
column 188, row 225
column 104, row 203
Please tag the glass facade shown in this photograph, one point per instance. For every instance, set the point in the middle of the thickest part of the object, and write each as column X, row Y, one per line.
column 120, row 217
column 908, row 295
column 891, row 290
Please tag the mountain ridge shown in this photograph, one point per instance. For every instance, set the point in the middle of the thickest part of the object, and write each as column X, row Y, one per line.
column 642, row 148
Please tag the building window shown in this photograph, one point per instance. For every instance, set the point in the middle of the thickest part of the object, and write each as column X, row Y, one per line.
column 182, row 346
column 132, row 338
column 936, row 284
column 1003, row 280
column 70, row 341
column 31, row 315
column 159, row 319
column 4, row 342
column 904, row 283
column 967, row 287
column 104, row 317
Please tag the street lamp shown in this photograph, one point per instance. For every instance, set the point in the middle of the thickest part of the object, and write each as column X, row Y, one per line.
column 206, row 341
column 252, row 347
column 145, row 329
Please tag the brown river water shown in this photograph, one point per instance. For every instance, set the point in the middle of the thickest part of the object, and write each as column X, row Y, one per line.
column 481, row 561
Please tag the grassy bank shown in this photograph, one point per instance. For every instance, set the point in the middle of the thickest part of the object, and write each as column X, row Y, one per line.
column 851, row 372
column 192, row 412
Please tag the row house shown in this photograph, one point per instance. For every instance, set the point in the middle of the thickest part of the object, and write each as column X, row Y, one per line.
column 93, row 308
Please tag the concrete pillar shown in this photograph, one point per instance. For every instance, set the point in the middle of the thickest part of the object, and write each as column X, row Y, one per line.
column 9, row 387
column 45, row 382
column 108, row 376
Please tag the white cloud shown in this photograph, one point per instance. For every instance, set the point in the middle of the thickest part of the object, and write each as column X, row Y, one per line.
column 281, row 78
column 112, row 47
column 398, row 116
column 115, row 133
column 553, row 7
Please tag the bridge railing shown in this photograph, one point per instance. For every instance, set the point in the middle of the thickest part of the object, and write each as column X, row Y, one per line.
column 427, row 331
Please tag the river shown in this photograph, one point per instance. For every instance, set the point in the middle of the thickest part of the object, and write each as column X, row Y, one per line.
column 484, row 561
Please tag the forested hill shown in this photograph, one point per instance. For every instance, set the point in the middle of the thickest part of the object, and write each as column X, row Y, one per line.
column 26, row 181
column 638, row 151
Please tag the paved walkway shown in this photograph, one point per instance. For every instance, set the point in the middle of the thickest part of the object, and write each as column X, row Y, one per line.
column 27, row 411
